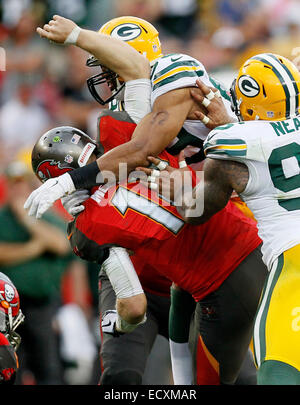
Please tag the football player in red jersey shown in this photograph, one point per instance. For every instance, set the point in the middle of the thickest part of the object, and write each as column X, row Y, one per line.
column 10, row 318
column 8, row 361
column 75, row 41
column 206, row 263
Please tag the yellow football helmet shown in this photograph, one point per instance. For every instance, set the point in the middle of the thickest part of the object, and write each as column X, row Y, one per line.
column 139, row 34
column 267, row 87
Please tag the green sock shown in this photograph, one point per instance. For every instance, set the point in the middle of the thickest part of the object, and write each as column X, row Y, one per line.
column 273, row 372
column 181, row 309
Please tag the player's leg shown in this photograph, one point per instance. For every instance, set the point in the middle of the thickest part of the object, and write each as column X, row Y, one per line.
column 158, row 312
column 277, row 324
column 124, row 358
column 181, row 312
column 225, row 323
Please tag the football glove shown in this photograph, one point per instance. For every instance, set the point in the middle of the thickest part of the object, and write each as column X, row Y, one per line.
column 41, row 199
column 73, row 203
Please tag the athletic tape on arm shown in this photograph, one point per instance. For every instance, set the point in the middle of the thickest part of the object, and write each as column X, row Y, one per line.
column 121, row 273
column 137, row 98
column 73, row 36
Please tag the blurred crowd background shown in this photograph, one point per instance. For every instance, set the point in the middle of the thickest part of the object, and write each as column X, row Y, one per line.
column 44, row 85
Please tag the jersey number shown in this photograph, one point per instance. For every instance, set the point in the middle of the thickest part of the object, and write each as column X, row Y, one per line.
column 286, row 154
column 124, row 199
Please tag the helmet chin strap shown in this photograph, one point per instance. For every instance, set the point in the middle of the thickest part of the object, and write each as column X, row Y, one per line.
column 121, row 93
column 12, row 336
column 10, row 318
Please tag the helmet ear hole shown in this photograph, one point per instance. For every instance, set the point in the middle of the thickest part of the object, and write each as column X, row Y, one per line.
column 250, row 112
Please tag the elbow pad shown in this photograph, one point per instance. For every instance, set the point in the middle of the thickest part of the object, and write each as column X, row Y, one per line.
column 137, row 98
column 121, row 273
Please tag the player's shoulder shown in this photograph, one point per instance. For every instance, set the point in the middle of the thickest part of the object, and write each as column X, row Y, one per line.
column 175, row 63
column 238, row 139
column 177, row 58
column 175, row 71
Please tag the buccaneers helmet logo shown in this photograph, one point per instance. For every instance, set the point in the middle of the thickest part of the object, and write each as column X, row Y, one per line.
column 51, row 168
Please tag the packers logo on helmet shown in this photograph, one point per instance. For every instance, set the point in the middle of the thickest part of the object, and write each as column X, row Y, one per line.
column 126, row 32
column 267, row 88
column 136, row 32
column 139, row 34
column 248, row 86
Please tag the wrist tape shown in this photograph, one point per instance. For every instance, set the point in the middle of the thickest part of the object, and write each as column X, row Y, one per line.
column 87, row 176
column 73, row 36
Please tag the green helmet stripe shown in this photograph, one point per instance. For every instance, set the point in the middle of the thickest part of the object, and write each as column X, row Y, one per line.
column 294, row 82
column 282, row 81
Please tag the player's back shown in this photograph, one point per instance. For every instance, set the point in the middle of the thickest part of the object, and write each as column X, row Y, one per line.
column 271, row 151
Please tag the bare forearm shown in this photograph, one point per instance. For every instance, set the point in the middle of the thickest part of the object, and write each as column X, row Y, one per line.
column 151, row 137
column 194, row 209
column 213, row 192
column 14, row 253
column 115, row 55
column 54, row 239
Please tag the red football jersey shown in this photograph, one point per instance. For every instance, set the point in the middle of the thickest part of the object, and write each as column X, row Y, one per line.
column 116, row 128
column 197, row 258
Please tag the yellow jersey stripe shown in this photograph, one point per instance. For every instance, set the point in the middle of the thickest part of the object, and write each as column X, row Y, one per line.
column 176, row 70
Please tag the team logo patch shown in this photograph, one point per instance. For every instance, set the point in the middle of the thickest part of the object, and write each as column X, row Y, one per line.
column 126, row 32
column 9, row 292
column 248, row 86
column 51, row 168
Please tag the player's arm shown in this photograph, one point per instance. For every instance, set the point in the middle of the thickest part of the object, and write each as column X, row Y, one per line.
column 113, row 53
column 151, row 136
column 131, row 302
column 15, row 253
column 212, row 194
column 209, row 196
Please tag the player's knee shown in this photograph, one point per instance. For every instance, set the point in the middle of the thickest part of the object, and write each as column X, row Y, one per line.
column 125, row 377
column 132, row 309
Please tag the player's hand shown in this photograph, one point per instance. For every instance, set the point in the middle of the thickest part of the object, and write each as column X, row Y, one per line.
column 57, row 30
column 41, row 199
column 73, row 203
column 108, row 323
column 167, row 181
column 211, row 99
